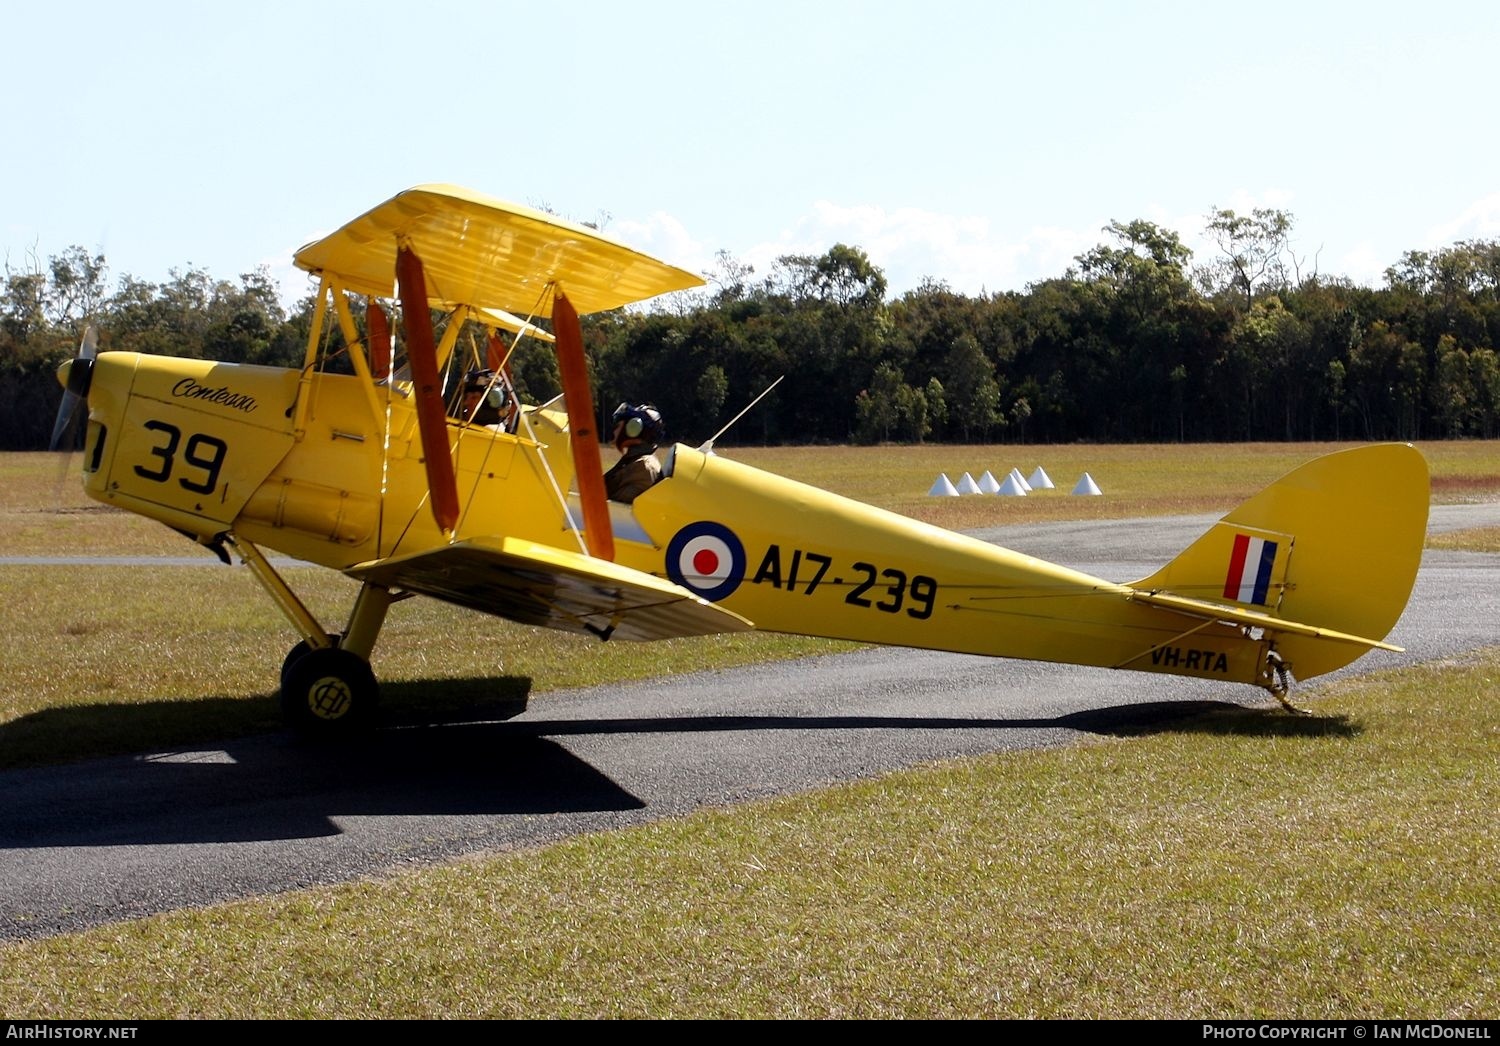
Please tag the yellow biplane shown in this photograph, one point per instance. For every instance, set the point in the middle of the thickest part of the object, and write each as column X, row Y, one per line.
column 354, row 463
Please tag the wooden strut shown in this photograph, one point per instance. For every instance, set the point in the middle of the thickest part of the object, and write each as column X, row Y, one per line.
column 427, row 389
column 588, row 466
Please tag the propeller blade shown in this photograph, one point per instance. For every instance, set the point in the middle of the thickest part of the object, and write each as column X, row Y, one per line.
column 76, row 375
column 64, row 420
column 432, row 418
column 588, row 467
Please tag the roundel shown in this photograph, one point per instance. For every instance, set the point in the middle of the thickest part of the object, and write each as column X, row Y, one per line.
column 706, row 559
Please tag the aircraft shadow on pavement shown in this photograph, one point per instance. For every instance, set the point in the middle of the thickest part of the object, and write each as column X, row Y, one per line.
column 279, row 787
column 55, row 735
column 1208, row 717
column 1130, row 720
column 276, row 787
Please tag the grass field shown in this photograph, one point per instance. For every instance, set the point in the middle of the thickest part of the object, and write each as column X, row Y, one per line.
column 1244, row 865
column 1249, row 865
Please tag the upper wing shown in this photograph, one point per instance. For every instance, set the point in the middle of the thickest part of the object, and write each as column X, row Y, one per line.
column 485, row 252
column 539, row 585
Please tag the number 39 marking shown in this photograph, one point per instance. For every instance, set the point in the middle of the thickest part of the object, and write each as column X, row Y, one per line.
column 202, row 452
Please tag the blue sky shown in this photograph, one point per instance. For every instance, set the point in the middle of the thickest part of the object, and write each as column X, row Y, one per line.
column 985, row 144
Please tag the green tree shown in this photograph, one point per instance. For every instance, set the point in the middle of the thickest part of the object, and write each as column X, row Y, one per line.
column 1272, row 343
column 1255, row 249
column 971, row 391
column 890, row 408
column 1451, row 389
column 76, row 288
column 713, row 389
column 937, row 406
column 1484, row 379
column 731, row 278
column 844, row 276
column 1146, row 269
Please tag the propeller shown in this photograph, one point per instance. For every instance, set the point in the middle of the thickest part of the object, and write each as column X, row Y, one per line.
column 75, row 375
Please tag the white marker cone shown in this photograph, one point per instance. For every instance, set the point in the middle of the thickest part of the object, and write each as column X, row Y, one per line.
column 1020, row 480
column 1086, row 485
column 1011, row 487
column 988, row 484
column 966, row 485
column 942, row 487
column 1040, row 480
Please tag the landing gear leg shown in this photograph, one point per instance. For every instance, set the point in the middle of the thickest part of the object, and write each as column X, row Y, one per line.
column 327, row 687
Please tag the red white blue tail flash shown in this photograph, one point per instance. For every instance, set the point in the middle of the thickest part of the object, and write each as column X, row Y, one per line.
column 1250, row 564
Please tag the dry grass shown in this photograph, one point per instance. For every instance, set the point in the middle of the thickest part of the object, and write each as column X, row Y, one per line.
column 1477, row 539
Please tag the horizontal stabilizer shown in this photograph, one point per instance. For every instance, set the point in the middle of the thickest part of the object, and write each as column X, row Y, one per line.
column 1218, row 612
column 538, row 585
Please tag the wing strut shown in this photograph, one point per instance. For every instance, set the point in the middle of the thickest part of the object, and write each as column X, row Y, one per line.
column 380, row 339
column 587, row 464
column 432, row 419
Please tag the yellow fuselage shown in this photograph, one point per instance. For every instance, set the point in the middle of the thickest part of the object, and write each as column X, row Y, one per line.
column 327, row 469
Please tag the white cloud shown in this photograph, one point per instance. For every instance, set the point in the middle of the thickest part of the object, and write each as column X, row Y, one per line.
column 1480, row 220
column 910, row 244
column 1243, row 201
column 663, row 236
column 1364, row 264
column 292, row 282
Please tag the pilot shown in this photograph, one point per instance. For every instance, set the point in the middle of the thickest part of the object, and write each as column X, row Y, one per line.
column 637, row 432
column 484, row 399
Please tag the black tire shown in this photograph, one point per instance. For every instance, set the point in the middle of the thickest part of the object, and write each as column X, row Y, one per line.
column 329, row 693
column 297, row 652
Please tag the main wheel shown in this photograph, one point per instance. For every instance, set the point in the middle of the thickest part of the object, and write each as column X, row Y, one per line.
column 300, row 651
column 328, row 693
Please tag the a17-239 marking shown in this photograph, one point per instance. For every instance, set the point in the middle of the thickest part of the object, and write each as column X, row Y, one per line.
column 888, row 590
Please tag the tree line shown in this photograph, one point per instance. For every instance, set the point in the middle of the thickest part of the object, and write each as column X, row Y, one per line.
column 1134, row 342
